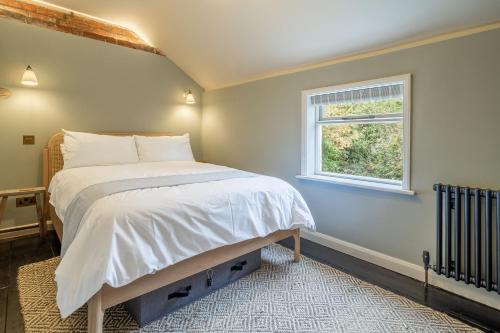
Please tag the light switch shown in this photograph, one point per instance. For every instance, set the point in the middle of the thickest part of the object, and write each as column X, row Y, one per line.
column 28, row 139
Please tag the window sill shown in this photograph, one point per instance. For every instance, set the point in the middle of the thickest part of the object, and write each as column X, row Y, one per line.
column 358, row 184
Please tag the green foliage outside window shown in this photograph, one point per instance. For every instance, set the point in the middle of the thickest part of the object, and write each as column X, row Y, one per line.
column 372, row 150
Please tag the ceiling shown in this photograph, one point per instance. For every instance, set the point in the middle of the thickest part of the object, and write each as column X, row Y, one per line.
column 224, row 42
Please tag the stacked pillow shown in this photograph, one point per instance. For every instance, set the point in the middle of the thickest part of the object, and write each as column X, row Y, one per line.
column 87, row 149
column 163, row 148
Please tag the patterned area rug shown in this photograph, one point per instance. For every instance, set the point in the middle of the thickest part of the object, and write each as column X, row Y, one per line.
column 281, row 296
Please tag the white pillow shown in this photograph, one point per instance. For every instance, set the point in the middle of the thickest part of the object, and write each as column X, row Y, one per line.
column 163, row 148
column 86, row 149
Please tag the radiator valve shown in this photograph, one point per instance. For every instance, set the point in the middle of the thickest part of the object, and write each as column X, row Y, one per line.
column 426, row 259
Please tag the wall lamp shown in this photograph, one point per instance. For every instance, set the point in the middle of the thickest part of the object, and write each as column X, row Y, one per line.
column 188, row 95
column 29, row 77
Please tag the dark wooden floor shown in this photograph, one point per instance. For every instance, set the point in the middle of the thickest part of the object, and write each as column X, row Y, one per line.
column 12, row 255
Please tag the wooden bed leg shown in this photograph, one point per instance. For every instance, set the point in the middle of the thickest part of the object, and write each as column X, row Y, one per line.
column 296, row 245
column 95, row 314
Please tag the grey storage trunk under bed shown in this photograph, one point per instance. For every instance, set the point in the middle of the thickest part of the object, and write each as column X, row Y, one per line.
column 158, row 303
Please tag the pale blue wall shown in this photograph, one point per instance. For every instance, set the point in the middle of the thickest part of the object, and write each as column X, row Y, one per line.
column 85, row 85
column 455, row 137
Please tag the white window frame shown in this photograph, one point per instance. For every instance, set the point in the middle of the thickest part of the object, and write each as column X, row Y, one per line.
column 311, row 131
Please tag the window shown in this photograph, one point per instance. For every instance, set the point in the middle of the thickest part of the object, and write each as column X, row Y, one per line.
column 359, row 134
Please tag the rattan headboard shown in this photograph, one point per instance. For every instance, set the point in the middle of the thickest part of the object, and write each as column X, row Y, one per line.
column 53, row 159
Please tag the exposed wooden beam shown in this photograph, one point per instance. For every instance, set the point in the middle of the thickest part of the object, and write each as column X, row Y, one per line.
column 73, row 23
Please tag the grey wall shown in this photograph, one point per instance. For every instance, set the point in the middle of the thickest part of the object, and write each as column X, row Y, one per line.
column 85, row 85
column 455, row 138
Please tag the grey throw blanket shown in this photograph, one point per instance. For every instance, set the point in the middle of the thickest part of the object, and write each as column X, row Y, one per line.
column 83, row 200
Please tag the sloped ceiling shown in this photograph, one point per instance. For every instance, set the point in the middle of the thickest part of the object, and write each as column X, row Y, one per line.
column 224, row 42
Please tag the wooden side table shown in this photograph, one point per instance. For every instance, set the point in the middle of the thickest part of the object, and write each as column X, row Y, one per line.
column 38, row 192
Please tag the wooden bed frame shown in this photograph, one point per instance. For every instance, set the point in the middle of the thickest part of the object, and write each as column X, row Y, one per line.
column 109, row 296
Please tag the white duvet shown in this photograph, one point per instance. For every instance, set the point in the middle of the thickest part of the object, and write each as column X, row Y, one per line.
column 127, row 235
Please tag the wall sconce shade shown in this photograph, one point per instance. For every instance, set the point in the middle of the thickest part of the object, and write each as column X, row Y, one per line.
column 188, row 95
column 29, row 77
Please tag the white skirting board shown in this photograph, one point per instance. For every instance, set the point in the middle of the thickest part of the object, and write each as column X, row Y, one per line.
column 405, row 268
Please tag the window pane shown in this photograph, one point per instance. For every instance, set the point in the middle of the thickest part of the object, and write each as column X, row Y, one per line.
column 387, row 106
column 370, row 150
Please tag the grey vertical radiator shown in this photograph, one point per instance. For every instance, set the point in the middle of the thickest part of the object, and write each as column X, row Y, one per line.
column 467, row 236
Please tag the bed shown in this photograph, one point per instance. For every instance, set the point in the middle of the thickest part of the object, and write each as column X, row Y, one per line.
column 125, row 247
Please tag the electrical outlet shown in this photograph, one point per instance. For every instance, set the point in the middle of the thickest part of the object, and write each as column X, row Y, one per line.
column 25, row 201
